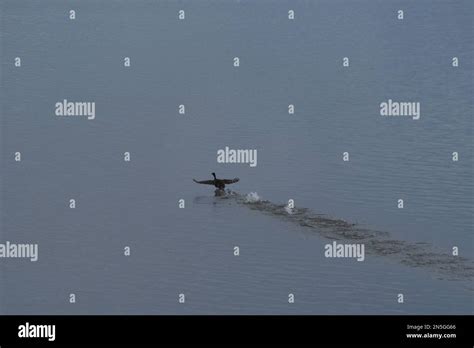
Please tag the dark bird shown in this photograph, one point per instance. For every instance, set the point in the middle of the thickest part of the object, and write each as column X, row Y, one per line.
column 219, row 183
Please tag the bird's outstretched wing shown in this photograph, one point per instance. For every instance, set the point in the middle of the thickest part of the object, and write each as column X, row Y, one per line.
column 205, row 182
column 230, row 181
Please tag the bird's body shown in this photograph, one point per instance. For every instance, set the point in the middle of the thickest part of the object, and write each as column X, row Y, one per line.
column 219, row 183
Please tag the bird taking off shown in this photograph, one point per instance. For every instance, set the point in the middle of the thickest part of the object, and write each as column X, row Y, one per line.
column 219, row 183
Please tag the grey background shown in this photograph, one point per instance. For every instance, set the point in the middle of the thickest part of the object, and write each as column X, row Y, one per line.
column 300, row 156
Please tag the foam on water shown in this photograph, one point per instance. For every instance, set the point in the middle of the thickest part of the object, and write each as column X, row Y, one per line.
column 376, row 242
column 252, row 197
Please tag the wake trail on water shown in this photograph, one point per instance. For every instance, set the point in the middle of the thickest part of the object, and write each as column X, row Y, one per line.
column 380, row 243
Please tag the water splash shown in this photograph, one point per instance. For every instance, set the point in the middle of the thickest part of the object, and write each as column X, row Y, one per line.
column 376, row 242
column 252, row 197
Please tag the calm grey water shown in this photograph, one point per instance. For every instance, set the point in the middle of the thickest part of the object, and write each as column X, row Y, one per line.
column 190, row 250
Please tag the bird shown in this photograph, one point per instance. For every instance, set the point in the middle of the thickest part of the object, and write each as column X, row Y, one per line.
column 219, row 183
